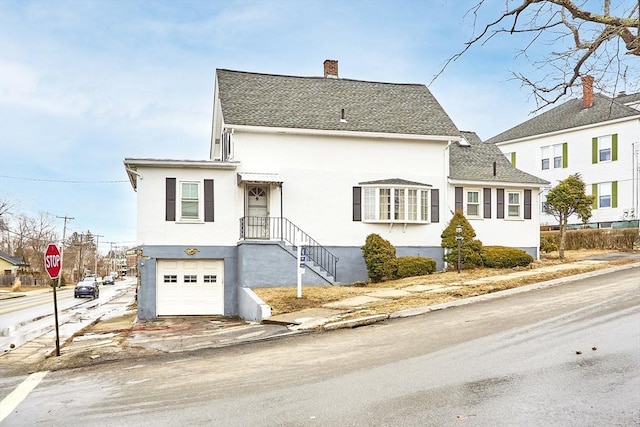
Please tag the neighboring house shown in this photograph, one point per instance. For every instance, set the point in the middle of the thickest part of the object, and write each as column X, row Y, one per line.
column 595, row 136
column 9, row 265
column 321, row 162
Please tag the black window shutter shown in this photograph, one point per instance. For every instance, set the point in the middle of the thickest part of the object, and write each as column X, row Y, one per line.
column 459, row 203
column 487, row 202
column 527, row 204
column 208, row 200
column 357, row 203
column 500, row 203
column 170, row 200
column 435, row 205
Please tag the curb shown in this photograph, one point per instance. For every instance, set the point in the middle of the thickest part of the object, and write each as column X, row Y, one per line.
column 352, row 323
column 368, row 320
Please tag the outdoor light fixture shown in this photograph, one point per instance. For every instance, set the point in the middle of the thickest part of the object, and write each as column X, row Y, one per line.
column 459, row 239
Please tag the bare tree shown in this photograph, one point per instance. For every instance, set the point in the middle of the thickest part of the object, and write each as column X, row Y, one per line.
column 33, row 237
column 5, row 211
column 583, row 38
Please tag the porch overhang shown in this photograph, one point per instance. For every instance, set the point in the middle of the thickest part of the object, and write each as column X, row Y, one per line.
column 259, row 178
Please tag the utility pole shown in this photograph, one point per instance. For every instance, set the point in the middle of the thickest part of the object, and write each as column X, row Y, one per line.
column 111, row 258
column 95, row 263
column 55, row 298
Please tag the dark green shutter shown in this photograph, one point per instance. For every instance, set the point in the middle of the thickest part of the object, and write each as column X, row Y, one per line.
column 435, row 205
column 170, row 199
column 565, row 155
column 500, row 203
column 458, row 199
column 614, row 147
column 487, row 203
column 208, row 200
column 357, row 203
column 614, row 194
column 594, row 150
column 594, row 192
column 527, row 204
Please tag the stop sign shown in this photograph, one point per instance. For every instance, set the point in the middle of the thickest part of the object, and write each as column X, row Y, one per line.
column 52, row 261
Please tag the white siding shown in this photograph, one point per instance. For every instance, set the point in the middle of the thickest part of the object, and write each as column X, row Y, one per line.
column 528, row 159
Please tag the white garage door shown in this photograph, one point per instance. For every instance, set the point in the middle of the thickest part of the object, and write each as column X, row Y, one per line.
column 190, row 287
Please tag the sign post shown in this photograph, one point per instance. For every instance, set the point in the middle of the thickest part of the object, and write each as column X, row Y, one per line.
column 53, row 265
column 302, row 260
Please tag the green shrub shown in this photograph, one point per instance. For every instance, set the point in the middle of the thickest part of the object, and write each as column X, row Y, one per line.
column 548, row 243
column 505, row 257
column 470, row 247
column 380, row 258
column 410, row 266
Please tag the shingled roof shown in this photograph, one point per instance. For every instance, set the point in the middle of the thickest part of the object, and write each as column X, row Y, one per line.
column 11, row 259
column 569, row 115
column 318, row 102
column 475, row 163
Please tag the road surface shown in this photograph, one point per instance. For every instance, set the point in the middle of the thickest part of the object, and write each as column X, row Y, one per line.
column 561, row 356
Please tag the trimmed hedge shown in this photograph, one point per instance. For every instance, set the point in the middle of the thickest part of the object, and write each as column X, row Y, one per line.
column 504, row 257
column 620, row 239
column 410, row 266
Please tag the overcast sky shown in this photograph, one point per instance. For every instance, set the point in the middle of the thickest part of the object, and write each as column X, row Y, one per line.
column 85, row 84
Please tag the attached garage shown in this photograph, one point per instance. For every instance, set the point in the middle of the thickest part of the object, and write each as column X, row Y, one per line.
column 190, row 287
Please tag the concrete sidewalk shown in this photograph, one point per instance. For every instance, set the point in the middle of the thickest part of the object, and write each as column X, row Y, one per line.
column 118, row 335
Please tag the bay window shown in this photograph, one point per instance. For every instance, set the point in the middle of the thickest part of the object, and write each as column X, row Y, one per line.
column 395, row 204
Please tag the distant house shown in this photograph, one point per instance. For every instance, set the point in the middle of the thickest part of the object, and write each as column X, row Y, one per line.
column 319, row 162
column 10, row 265
column 596, row 136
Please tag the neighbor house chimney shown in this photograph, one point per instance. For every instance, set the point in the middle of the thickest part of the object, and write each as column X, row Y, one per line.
column 331, row 68
column 587, row 91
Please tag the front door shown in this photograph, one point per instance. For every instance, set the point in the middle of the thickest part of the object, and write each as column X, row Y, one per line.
column 257, row 212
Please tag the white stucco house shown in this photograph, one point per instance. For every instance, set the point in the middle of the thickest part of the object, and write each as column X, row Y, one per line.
column 596, row 136
column 321, row 162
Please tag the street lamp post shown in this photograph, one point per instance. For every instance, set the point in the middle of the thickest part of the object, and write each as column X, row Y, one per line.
column 459, row 239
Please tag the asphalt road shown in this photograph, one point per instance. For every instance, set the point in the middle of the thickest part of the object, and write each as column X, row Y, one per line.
column 507, row 362
column 25, row 318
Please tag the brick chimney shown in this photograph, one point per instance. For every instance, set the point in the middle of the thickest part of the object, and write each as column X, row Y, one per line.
column 331, row 68
column 587, row 91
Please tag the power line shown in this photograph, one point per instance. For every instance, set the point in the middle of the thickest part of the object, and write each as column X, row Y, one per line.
column 62, row 181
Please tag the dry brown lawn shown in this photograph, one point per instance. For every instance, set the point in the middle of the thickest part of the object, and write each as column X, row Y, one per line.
column 284, row 299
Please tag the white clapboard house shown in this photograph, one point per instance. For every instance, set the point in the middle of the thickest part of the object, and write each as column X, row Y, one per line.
column 597, row 137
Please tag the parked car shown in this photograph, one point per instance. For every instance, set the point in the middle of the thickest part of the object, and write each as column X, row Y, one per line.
column 107, row 280
column 88, row 287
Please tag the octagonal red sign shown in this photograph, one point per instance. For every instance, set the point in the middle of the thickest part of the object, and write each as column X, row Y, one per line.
column 52, row 261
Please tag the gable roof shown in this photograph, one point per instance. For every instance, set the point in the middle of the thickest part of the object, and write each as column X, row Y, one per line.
column 270, row 100
column 475, row 163
column 11, row 259
column 569, row 115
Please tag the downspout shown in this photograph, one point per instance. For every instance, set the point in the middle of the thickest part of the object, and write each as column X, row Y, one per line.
column 281, row 216
column 447, row 172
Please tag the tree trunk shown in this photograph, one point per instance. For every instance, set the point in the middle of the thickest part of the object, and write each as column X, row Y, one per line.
column 563, row 227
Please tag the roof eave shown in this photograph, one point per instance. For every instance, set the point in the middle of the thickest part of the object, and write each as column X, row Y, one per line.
column 340, row 133
column 558, row 132
column 511, row 184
